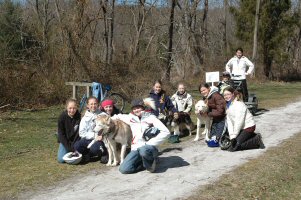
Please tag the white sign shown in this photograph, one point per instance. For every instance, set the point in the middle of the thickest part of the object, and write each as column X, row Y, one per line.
column 212, row 77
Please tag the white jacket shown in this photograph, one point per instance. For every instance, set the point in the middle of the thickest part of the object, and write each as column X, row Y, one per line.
column 238, row 118
column 183, row 103
column 239, row 67
column 138, row 126
column 87, row 125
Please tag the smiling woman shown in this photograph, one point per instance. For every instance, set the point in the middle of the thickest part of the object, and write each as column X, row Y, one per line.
column 28, row 152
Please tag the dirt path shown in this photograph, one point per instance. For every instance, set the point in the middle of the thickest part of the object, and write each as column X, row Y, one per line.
column 182, row 169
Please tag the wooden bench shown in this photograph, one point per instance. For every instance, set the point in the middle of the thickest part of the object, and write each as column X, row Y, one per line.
column 75, row 86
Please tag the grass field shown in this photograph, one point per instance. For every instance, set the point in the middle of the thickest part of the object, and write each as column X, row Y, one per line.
column 28, row 146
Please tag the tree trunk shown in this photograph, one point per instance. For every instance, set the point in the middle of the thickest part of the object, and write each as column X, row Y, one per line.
column 226, row 7
column 256, row 31
column 170, row 41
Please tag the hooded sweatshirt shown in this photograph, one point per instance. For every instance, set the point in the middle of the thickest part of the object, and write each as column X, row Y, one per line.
column 139, row 125
column 87, row 125
column 166, row 102
column 216, row 104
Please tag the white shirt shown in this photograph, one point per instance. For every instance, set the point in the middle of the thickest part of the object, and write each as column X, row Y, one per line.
column 239, row 67
column 139, row 125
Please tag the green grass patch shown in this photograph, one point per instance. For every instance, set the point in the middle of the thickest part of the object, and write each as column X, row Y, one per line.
column 28, row 147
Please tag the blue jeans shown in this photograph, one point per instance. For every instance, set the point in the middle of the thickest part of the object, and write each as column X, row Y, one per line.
column 217, row 128
column 139, row 159
column 96, row 149
column 61, row 152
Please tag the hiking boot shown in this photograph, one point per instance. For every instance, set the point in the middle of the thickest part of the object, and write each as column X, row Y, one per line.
column 261, row 145
column 104, row 159
column 152, row 169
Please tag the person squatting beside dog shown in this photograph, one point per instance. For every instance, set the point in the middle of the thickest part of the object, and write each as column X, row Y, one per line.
column 216, row 110
column 164, row 105
column 144, row 154
column 183, row 103
column 241, row 125
column 68, row 125
column 87, row 134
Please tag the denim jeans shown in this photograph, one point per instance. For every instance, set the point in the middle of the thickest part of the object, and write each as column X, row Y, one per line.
column 61, row 152
column 139, row 159
column 217, row 128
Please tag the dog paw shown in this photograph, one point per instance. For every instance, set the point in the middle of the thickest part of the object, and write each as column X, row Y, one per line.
column 196, row 139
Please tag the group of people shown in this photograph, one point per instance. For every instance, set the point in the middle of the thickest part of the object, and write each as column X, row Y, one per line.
column 225, row 108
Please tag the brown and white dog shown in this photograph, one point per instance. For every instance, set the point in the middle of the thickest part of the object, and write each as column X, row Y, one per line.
column 114, row 131
column 181, row 121
column 201, row 106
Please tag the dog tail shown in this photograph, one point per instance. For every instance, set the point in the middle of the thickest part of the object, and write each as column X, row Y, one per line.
column 150, row 102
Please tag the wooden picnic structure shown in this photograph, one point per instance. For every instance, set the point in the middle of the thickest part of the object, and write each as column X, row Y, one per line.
column 75, row 86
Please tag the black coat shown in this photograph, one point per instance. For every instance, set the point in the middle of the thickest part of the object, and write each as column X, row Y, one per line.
column 68, row 130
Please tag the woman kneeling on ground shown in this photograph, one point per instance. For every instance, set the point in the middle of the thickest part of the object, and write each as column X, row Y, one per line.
column 216, row 110
column 68, row 125
column 241, row 124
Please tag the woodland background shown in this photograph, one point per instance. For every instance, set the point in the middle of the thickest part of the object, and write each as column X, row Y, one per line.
column 129, row 44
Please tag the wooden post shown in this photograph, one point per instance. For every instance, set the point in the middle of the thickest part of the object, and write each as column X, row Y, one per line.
column 75, row 86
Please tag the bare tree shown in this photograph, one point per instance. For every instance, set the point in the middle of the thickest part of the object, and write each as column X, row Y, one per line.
column 225, row 39
column 170, row 41
column 256, row 30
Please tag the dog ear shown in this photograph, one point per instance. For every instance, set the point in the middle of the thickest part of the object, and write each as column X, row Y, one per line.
column 108, row 119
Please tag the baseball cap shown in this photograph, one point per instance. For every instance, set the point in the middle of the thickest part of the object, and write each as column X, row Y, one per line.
column 137, row 103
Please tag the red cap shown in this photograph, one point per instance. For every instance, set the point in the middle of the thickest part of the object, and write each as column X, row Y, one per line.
column 107, row 102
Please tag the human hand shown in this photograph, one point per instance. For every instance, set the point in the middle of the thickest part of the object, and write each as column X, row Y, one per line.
column 98, row 138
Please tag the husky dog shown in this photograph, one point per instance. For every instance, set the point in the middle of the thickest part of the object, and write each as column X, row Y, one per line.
column 114, row 131
column 181, row 121
column 201, row 106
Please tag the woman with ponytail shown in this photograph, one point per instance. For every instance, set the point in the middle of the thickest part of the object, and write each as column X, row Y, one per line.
column 241, row 124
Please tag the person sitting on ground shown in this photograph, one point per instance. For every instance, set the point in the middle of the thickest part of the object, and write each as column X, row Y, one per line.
column 241, row 124
column 87, row 134
column 216, row 104
column 183, row 103
column 68, row 124
column 225, row 82
column 164, row 105
column 109, row 108
column 144, row 151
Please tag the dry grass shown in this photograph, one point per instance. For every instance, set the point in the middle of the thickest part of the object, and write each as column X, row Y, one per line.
column 274, row 175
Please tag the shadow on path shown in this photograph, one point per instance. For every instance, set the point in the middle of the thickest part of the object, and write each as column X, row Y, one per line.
column 170, row 162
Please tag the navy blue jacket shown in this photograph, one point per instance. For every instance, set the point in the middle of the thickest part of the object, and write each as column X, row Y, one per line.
column 166, row 102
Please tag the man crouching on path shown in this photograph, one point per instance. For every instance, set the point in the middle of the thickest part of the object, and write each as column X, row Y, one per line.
column 148, row 132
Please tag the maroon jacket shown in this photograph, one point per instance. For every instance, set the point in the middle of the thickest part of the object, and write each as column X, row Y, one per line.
column 217, row 105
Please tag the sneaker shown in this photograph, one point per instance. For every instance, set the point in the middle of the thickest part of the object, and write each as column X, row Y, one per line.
column 153, row 167
column 261, row 145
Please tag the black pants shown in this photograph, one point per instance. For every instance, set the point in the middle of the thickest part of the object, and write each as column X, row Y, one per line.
column 246, row 140
column 244, row 88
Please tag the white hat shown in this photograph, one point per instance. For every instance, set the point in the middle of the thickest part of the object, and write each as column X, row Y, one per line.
column 72, row 158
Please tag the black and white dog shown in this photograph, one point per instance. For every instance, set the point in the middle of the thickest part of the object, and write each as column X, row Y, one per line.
column 181, row 121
